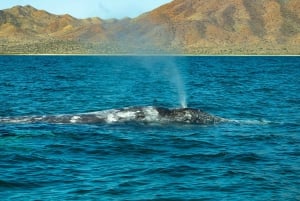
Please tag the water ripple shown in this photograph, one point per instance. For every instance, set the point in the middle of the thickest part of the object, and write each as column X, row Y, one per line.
column 254, row 158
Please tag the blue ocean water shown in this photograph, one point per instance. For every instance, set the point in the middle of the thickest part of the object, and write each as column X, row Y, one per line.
column 256, row 156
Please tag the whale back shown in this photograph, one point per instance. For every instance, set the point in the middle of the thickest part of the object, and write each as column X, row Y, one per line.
column 148, row 114
column 188, row 115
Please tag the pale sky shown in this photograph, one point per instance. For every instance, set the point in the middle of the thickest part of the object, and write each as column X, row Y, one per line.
column 90, row 8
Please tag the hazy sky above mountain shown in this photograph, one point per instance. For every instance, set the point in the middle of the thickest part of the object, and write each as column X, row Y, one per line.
column 90, row 8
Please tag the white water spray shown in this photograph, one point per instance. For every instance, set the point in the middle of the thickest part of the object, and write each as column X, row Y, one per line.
column 176, row 79
column 167, row 67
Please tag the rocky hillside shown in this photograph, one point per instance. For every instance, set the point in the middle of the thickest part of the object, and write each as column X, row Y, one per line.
column 30, row 23
column 182, row 26
column 196, row 24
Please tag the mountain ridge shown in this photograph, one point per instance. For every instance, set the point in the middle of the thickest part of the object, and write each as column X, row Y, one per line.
column 181, row 26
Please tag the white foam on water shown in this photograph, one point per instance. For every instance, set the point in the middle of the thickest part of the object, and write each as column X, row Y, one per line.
column 75, row 119
column 127, row 115
column 119, row 116
column 249, row 122
column 151, row 114
column 16, row 120
column 111, row 118
column 107, row 115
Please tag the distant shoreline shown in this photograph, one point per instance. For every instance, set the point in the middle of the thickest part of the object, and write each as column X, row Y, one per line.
column 143, row 55
column 65, row 47
column 157, row 55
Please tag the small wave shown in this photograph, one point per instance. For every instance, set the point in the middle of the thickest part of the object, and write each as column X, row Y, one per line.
column 16, row 184
column 203, row 156
column 173, row 171
column 250, row 122
column 245, row 157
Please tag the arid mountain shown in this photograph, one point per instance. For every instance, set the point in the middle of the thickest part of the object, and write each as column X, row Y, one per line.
column 196, row 24
column 30, row 23
column 182, row 26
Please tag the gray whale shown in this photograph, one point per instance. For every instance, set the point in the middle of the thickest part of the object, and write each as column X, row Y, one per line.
column 148, row 114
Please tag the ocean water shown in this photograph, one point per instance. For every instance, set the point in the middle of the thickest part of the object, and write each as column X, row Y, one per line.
column 254, row 156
